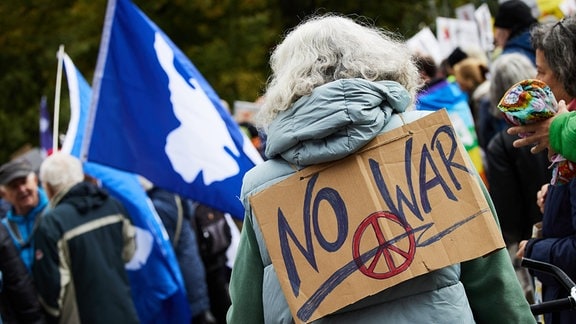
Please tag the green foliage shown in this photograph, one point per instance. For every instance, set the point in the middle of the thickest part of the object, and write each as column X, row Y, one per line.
column 229, row 41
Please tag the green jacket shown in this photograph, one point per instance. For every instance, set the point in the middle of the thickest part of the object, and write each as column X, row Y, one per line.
column 563, row 135
column 336, row 120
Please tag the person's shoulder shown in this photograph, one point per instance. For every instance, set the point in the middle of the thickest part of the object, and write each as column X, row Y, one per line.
column 498, row 142
column 4, row 208
column 117, row 204
column 55, row 219
column 397, row 120
column 4, row 235
column 413, row 115
column 265, row 174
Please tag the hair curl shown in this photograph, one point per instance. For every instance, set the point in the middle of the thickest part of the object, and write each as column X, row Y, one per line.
column 326, row 48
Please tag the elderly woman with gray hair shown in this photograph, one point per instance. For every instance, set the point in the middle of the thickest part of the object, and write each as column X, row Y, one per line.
column 556, row 66
column 555, row 45
column 514, row 175
column 336, row 84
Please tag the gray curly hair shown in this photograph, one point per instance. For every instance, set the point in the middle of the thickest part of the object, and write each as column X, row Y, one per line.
column 326, row 48
column 557, row 41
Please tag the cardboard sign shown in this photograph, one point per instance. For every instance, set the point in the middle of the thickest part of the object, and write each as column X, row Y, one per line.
column 408, row 203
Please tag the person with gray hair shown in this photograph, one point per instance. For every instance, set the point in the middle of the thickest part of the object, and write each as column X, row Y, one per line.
column 556, row 66
column 82, row 244
column 505, row 70
column 336, row 84
column 555, row 59
column 514, row 174
column 59, row 173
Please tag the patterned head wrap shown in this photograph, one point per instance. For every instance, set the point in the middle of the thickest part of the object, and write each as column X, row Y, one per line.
column 528, row 101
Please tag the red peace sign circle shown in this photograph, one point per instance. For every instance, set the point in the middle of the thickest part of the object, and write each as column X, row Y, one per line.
column 385, row 249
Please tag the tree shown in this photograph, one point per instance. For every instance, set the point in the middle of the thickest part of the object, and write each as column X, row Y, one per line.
column 229, row 41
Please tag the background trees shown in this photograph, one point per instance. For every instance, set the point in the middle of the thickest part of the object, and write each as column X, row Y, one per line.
column 228, row 41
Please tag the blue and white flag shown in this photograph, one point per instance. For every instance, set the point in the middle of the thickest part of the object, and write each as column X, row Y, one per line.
column 80, row 96
column 155, row 279
column 45, row 129
column 155, row 115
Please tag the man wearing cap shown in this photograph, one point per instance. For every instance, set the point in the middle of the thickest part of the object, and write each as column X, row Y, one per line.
column 512, row 28
column 19, row 187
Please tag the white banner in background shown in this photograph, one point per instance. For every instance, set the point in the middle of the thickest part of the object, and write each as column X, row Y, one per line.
column 484, row 21
column 452, row 33
column 425, row 43
column 465, row 12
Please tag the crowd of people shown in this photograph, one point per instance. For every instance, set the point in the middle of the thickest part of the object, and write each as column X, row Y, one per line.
column 336, row 84
column 64, row 244
column 528, row 175
column 352, row 81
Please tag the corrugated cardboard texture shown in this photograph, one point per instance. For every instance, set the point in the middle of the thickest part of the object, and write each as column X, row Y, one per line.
column 406, row 204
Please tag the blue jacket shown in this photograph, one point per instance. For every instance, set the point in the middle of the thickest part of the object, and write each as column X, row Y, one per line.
column 22, row 227
column 443, row 94
column 333, row 122
column 521, row 43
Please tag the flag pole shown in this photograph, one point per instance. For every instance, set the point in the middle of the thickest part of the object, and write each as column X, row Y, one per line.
column 57, row 99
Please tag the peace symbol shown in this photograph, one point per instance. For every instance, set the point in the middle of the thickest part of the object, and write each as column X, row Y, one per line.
column 385, row 248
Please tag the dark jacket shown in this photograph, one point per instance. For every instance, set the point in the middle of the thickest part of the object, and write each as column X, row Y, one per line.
column 18, row 299
column 557, row 246
column 185, row 245
column 520, row 43
column 515, row 175
column 82, row 245
column 487, row 124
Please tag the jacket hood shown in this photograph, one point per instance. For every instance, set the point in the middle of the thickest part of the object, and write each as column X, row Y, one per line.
column 84, row 196
column 335, row 120
column 520, row 43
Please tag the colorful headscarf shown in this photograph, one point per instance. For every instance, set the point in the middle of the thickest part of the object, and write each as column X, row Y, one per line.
column 528, row 101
